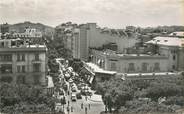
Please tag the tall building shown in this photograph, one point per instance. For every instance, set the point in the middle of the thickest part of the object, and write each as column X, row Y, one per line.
column 5, row 28
column 22, row 63
column 88, row 36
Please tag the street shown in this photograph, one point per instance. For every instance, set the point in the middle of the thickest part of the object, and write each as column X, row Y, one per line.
column 95, row 106
column 86, row 105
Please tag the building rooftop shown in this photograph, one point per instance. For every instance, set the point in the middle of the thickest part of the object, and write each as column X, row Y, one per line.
column 97, row 69
column 151, row 74
column 24, row 48
column 113, row 54
column 178, row 33
column 167, row 41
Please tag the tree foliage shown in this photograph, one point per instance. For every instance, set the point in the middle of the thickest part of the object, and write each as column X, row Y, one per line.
column 143, row 96
column 115, row 93
column 21, row 98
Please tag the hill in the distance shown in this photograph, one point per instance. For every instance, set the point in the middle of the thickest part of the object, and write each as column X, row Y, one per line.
column 20, row 27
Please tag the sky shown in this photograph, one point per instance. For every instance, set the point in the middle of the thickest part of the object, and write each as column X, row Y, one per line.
column 106, row 13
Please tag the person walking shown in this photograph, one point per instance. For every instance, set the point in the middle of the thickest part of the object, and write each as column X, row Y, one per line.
column 68, row 103
column 89, row 106
column 68, row 92
column 81, row 105
column 71, row 109
column 68, row 109
column 86, row 110
column 86, row 97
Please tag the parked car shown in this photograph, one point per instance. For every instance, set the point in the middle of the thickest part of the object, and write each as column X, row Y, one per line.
column 79, row 96
column 73, row 84
column 73, row 97
column 74, row 89
column 70, row 81
column 86, row 92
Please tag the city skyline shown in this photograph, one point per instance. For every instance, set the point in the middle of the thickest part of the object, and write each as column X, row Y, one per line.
column 114, row 14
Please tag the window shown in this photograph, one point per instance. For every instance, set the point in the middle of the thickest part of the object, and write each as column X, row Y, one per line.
column 113, row 66
column 144, row 67
column 20, row 57
column 173, row 67
column 21, row 69
column 18, row 69
column 6, row 57
column 131, row 67
column 6, row 68
column 102, row 79
column 36, row 67
column 156, row 67
column 174, row 57
column 23, row 57
column 36, row 56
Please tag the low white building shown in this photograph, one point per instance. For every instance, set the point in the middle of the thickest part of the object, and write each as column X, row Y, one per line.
column 130, row 63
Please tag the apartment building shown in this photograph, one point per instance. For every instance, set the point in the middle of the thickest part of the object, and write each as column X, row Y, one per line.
column 88, row 36
column 171, row 47
column 22, row 63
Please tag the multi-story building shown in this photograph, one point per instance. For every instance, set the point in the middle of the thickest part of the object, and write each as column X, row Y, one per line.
column 22, row 63
column 171, row 47
column 129, row 63
column 88, row 36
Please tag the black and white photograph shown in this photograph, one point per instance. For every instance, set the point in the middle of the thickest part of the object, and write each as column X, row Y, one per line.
column 91, row 56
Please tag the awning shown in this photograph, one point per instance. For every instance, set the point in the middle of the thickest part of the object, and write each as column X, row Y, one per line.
column 91, row 79
column 50, row 82
column 87, row 70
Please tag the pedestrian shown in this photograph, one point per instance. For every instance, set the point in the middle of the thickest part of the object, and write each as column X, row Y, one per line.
column 68, row 103
column 89, row 106
column 68, row 92
column 86, row 110
column 81, row 105
column 86, row 97
column 68, row 109
column 71, row 109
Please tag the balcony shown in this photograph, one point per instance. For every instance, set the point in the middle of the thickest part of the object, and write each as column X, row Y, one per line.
column 36, row 61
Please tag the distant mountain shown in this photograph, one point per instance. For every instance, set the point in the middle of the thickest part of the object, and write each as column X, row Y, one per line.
column 20, row 27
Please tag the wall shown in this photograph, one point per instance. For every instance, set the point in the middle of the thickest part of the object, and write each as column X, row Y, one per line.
column 122, row 63
column 181, row 59
column 97, row 39
column 28, row 63
column 170, row 52
column 83, row 43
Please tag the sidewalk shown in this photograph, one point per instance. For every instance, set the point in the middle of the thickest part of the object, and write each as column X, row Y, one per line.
column 95, row 98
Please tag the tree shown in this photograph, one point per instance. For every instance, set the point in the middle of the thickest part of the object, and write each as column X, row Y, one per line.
column 164, row 88
column 116, row 92
column 22, row 98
